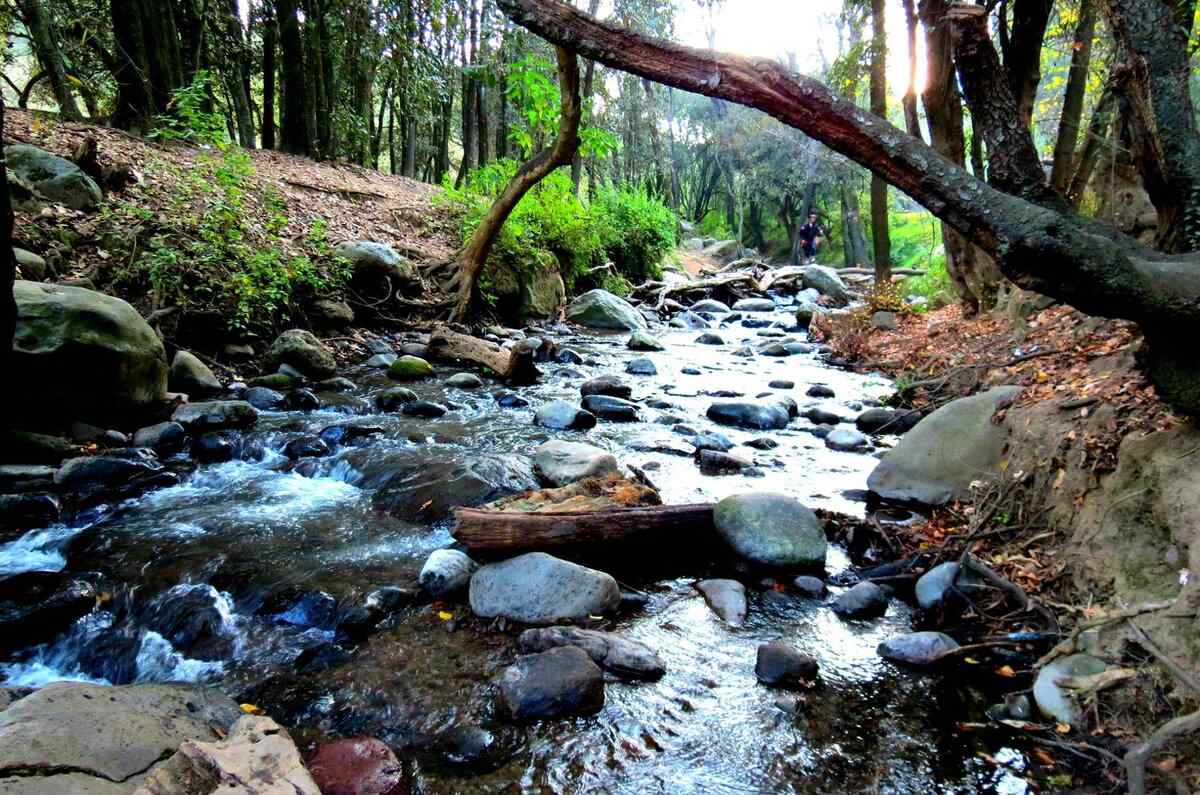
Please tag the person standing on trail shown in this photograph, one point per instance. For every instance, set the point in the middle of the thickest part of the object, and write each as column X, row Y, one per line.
column 811, row 237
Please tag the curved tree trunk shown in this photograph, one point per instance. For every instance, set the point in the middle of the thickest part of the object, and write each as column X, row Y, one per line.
column 473, row 257
column 1042, row 247
column 41, row 34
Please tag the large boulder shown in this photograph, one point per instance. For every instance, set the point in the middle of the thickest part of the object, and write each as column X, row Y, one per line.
column 826, row 281
column 532, row 288
column 79, row 353
column 559, row 463
column 540, row 589
column 771, row 529
column 937, row 460
column 257, row 758
column 215, row 415
column 191, row 376
column 554, row 684
column 302, row 350
column 373, row 262
column 601, row 309
column 53, row 177
column 71, row 737
column 620, row 656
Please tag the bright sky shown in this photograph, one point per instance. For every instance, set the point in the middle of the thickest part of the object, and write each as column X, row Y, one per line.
column 772, row 28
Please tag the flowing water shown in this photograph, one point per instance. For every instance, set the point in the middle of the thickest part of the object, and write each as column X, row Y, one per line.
column 235, row 577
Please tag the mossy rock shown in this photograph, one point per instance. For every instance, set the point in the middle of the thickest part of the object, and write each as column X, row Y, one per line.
column 276, row 381
column 410, row 368
column 53, row 177
column 302, row 350
column 81, row 354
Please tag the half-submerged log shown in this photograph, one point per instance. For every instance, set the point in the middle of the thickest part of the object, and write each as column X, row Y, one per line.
column 482, row 530
column 515, row 365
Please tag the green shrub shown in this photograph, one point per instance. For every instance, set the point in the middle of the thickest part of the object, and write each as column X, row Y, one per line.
column 211, row 250
column 193, row 116
column 639, row 231
column 917, row 243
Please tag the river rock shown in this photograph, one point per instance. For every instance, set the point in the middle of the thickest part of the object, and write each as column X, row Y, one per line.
column 561, row 415
column 507, row 399
column 446, row 571
column 917, row 648
column 53, row 177
column 805, row 312
column 257, row 758
column 810, row 586
column 884, row 320
column 82, row 354
column 307, row 446
column 820, row 391
column 426, row 485
column 278, row 382
column 374, row 261
column 749, row 415
column 425, row 409
column 262, row 398
column 36, row 606
column 781, row 383
column 771, row 529
column 611, row 408
column 215, row 415
column 717, row 442
column 336, row 384
column 827, row 282
column 932, row 586
column 846, row 440
column 713, row 462
column 864, row 600
column 620, row 656
column 780, row 665
column 711, row 306
column 330, row 315
column 380, row 361
column 465, row 381
column 689, row 321
column 409, row 368
column 302, row 350
column 820, row 416
column 937, row 460
column 191, row 376
column 775, row 349
column 601, row 309
column 214, row 447
column 553, row 684
column 72, row 737
column 393, row 398
column 21, row 512
column 163, row 438
column 301, row 400
column 357, row 766
column 641, row 366
column 881, row 420
column 642, row 341
column 754, row 305
column 606, row 385
column 709, row 338
column 104, row 471
column 727, row 598
column 559, row 463
column 1053, row 698
column 540, row 589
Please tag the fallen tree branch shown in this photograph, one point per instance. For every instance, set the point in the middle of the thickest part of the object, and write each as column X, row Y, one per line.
column 1068, row 644
column 515, row 531
column 515, row 365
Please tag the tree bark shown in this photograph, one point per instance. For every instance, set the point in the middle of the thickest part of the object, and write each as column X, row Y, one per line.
column 469, row 95
column 473, row 257
column 269, row 34
column 149, row 61
column 589, row 71
column 880, row 233
column 1042, row 248
column 1023, row 53
column 517, row 531
column 912, row 121
column 854, row 241
column 294, row 129
column 237, row 75
column 49, row 54
column 1098, row 132
column 1072, row 112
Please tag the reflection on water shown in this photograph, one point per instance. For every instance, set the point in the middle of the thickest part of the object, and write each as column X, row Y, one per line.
column 235, row 577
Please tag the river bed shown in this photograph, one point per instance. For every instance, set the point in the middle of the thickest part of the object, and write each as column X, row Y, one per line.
column 235, row 577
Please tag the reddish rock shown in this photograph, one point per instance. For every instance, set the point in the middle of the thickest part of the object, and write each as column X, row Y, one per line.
column 357, row 766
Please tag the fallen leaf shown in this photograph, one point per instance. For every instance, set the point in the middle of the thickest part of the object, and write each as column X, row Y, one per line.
column 251, row 709
column 445, row 616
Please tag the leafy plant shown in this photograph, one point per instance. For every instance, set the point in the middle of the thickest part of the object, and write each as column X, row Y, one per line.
column 193, row 117
column 639, row 231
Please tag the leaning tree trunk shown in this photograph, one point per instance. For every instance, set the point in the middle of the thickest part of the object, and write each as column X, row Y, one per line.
column 473, row 257
column 1072, row 113
column 41, row 34
column 1042, row 247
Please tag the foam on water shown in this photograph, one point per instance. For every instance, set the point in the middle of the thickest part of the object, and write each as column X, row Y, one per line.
column 37, row 550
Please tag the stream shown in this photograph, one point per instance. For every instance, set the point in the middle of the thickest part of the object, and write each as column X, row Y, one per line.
column 236, row 576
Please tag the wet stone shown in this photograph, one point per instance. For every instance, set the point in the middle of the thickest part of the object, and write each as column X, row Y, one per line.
column 820, row 391
column 847, row 441
column 712, row 462
column 301, row 400
column 608, row 385
column 717, row 442
column 780, row 665
column 710, row 339
column 394, row 398
column 306, row 447
column 819, row 416
column 763, row 443
column 727, row 598
column 553, row 684
column 625, row 658
column 561, row 415
column 510, row 400
column 610, row 408
column 446, row 571
column 810, row 586
column 749, row 415
column 642, row 366
column 782, row 384
column 464, row 381
column 917, row 648
column 426, row 409
column 864, row 600
column 356, row 766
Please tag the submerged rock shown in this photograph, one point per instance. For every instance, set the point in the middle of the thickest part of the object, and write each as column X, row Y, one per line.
column 426, row 487
column 36, row 606
column 749, row 415
column 446, row 571
column 214, row 447
column 603, row 310
column 625, row 658
column 554, row 684
column 357, row 766
column 780, row 665
column 937, row 460
column 771, row 529
column 727, row 598
column 917, row 648
column 540, row 589
column 865, row 600
column 608, row 385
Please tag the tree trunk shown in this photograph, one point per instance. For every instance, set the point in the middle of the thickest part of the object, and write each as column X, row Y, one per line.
column 8, row 275
column 517, row 531
column 316, row 115
column 269, row 33
column 854, row 241
column 473, row 257
column 589, row 71
column 1097, row 137
column 483, row 131
column 237, row 77
column 49, row 54
column 1072, row 112
column 1023, row 53
column 294, row 129
column 879, row 193
column 469, row 96
column 149, row 61
column 912, row 121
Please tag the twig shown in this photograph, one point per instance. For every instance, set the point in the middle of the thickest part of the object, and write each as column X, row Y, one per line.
column 337, row 191
column 1137, row 757
column 1178, row 670
column 1068, row 645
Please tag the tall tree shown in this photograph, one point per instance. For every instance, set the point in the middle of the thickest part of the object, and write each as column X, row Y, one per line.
column 149, row 60
column 879, row 189
column 50, row 55
column 270, row 32
column 294, row 127
column 1072, row 113
column 8, row 267
column 912, row 121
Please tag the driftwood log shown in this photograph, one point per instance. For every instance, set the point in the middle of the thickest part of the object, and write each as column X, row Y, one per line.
column 515, row 365
column 483, row 530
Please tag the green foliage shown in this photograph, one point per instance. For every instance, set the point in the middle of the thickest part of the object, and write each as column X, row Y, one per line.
column 639, row 231
column 536, row 96
column 628, row 227
column 209, row 254
column 193, row 117
column 917, row 243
